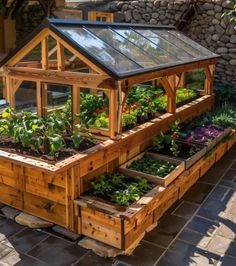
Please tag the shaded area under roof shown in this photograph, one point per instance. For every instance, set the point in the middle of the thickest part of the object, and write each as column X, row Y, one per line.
column 124, row 50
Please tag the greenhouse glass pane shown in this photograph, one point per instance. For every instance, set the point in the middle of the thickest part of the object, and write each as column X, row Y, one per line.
column 192, row 43
column 165, row 45
column 99, row 49
column 167, row 35
column 150, row 48
column 124, row 46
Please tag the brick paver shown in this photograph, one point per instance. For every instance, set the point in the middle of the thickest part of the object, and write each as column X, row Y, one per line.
column 198, row 230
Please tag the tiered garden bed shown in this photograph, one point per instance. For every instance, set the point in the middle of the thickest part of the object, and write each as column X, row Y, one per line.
column 47, row 190
column 123, row 229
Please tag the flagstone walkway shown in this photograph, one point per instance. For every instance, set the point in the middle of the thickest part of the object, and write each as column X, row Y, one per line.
column 198, row 230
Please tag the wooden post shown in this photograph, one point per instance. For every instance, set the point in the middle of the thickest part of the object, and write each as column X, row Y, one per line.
column 44, row 53
column 8, row 89
column 39, row 98
column 209, row 80
column 169, row 85
column 120, row 99
column 44, row 90
column 60, row 57
column 75, row 104
column 182, row 80
column 113, row 113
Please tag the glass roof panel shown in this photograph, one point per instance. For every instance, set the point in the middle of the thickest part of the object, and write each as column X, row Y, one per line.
column 181, row 37
column 124, row 46
column 102, row 51
column 149, row 47
column 165, row 45
column 172, row 38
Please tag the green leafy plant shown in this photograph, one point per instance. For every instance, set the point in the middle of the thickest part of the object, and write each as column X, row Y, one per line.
column 119, row 188
column 102, row 121
column 151, row 166
column 231, row 13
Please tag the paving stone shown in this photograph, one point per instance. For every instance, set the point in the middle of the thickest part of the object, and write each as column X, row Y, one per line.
column 8, row 228
column 12, row 258
column 25, row 240
column 203, row 226
column 186, row 210
column 218, row 204
column 227, row 229
column 145, row 254
column 25, row 260
column 32, row 221
column 232, row 249
column 227, row 261
column 229, row 180
column 219, row 244
column 209, row 214
column 169, row 226
column 4, row 250
column 194, row 238
column 68, row 234
column 10, row 212
column 198, row 192
column 99, row 248
column 93, row 259
column 58, row 252
column 213, row 176
column 183, row 254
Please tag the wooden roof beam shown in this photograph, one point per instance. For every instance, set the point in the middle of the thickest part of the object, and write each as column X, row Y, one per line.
column 168, row 72
column 86, row 80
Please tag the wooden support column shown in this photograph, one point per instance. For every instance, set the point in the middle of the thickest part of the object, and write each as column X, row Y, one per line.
column 44, row 53
column 209, row 80
column 8, row 89
column 75, row 104
column 120, row 97
column 182, row 80
column 60, row 57
column 170, row 87
column 39, row 98
column 44, row 102
column 113, row 113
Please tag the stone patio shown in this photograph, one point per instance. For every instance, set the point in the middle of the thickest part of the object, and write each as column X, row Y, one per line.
column 198, row 230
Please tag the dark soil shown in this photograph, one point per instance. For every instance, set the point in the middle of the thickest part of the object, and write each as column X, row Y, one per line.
column 9, row 146
column 184, row 150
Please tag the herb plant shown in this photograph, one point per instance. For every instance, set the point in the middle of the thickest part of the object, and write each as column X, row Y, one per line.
column 151, row 166
column 119, row 188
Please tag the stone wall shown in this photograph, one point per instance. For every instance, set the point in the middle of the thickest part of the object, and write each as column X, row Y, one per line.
column 207, row 26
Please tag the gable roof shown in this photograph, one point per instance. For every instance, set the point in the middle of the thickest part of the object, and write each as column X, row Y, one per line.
column 124, row 50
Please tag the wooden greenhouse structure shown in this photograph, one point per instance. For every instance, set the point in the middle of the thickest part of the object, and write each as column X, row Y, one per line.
column 112, row 58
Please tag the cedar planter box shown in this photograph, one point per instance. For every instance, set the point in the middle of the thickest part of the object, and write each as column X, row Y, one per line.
column 189, row 161
column 212, row 143
column 164, row 181
column 124, row 229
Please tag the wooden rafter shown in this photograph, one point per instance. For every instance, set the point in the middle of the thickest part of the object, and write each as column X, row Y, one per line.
column 77, row 54
column 28, row 48
column 87, row 80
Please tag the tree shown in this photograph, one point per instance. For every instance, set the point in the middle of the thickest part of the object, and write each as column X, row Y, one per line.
column 12, row 7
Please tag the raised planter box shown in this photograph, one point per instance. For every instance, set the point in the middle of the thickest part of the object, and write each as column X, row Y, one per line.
column 189, row 161
column 49, row 190
column 124, row 229
column 211, row 144
column 164, row 181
